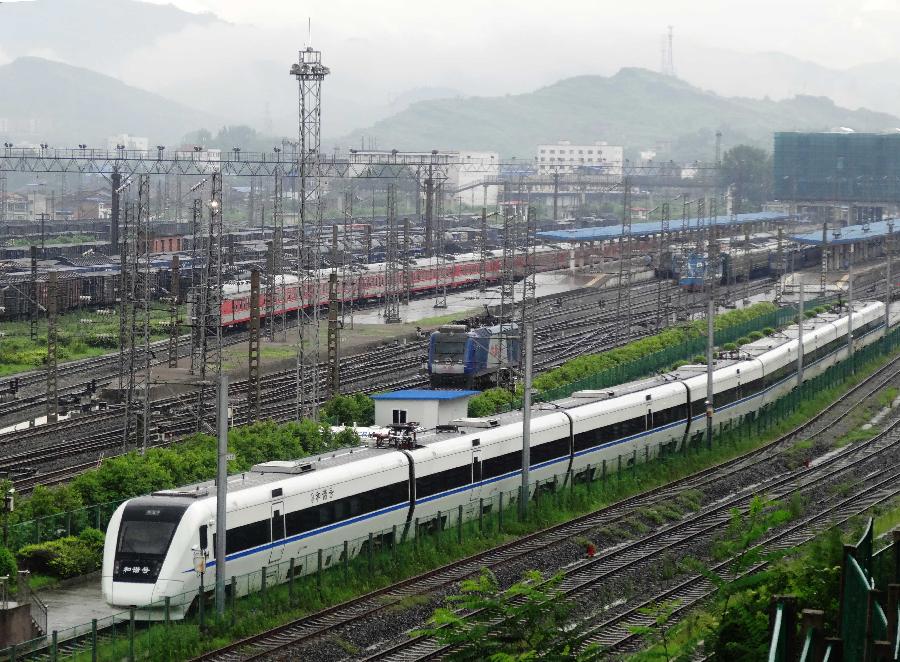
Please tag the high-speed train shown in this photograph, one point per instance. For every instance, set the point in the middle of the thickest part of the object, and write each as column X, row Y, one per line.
column 283, row 510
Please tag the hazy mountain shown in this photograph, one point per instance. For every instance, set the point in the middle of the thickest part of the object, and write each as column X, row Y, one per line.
column 64, row 105
column 781, row 76
column 635, row 108
column 89, row 33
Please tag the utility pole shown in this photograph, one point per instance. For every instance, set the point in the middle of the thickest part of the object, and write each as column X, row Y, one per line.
column 440, row 290
column 334, row 337
column 174, row 322
column 711, row 269
column 407, row 264
column 33, row 294
column 623, row 291
column 526, row 420
column 889, row 295
column 800, row 319
column 823, row 274
column 850, row 308
column 253, row 351
column 555, row 195
column 662, row 249
column 116, row 183
column 270, row 291
column 221, row 491
column 482, row 247
column 429, row 212
column 391, row 263
column 52, row 398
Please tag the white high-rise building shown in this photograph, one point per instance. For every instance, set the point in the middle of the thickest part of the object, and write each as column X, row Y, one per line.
column 564, row 157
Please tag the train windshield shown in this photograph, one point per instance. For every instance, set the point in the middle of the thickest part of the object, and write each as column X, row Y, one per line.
column 146, row 538
column 449, row 346
column 145, row 534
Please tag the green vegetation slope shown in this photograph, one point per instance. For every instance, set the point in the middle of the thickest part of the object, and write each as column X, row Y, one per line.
column 636, row 108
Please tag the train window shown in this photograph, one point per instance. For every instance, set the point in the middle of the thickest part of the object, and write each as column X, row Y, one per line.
column 550, row 451
column 204, row 538
column 247, row 536
column 476, row 469
column 277, row 492
column 338, row 510
column 443, row 480
column 502, row 464
column 277, row 526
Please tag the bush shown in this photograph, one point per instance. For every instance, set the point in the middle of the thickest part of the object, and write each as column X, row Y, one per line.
column 820, row 309
column 755, row 335
column 729, row 347
column 809, row 314
column 768, row 331
column 8, row 566
column 743, row 340
column 66, row 557
column 699, row 359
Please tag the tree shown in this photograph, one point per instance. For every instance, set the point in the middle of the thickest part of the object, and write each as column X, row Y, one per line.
column 747, row 171
column 528, row 620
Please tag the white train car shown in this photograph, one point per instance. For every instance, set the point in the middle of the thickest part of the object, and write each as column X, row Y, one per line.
column 283, row 510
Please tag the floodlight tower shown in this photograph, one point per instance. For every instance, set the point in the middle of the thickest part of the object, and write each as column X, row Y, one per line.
column 310, row 73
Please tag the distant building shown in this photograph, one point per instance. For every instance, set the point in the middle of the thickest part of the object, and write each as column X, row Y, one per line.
column 564, row 157
column 128, row 142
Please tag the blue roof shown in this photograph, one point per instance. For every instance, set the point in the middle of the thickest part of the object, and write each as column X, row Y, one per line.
column 849, row 234
column 655, row 227
column 424, row 394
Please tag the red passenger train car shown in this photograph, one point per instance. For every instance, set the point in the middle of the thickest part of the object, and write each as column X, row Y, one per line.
column 370, row 284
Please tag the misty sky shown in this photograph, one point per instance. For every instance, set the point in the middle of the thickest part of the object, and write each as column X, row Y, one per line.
column 236, row 69
column 835, row 33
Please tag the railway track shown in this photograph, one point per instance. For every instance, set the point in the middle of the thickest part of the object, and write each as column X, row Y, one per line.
column 321, row 623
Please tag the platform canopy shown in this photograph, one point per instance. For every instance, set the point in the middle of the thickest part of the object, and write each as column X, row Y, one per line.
column 655, row 227
column 850, row 234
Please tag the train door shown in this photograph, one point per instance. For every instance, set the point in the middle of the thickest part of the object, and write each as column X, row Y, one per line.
column 277, row 532
column 476, row 469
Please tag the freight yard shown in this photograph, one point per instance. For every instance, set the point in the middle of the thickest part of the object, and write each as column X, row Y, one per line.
column 589, row 401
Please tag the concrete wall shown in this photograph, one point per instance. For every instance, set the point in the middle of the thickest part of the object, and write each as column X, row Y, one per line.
column 15, row 625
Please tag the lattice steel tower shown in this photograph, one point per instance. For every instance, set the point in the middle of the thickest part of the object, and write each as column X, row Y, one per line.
column 210, row 315
column 310, row 73
column 392, row 274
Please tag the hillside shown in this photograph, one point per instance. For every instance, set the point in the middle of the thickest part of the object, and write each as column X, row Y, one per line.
column 635, row 107
column 71, row 105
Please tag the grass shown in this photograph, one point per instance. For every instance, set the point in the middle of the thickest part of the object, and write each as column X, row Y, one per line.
column 446, row 319
column 38, row 582
column 81, row 334
column 888, row 518
column 888, row 395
